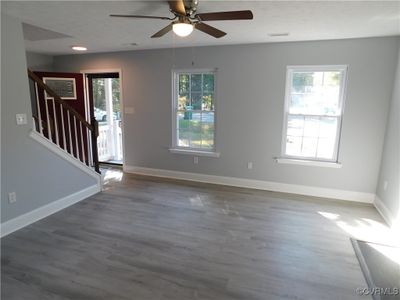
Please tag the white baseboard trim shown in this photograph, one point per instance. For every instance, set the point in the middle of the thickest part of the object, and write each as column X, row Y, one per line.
column 256, row 184
column 46, row 210
column 65, row 155
column 384, row 211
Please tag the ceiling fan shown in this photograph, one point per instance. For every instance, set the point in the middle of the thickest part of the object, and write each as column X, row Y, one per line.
column 186, row 19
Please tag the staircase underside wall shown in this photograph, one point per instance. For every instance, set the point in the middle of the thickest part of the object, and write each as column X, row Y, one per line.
column 37, row 175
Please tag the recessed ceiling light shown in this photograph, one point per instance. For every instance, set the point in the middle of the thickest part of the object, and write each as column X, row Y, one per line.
column 79, row 48
column 279, row 34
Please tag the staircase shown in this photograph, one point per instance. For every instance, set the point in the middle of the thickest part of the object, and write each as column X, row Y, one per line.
column 60, row 124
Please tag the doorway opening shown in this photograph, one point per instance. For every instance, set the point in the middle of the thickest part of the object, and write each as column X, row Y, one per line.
column 104, row 90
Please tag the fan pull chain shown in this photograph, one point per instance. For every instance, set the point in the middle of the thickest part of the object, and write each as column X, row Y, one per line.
column 173, row 51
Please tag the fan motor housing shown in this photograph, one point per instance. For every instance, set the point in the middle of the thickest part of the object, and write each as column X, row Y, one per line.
column 191, row 6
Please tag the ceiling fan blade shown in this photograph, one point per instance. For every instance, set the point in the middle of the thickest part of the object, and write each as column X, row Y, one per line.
column 178, row 7
column 162, row 32
column 210, row 30
column 226, row 15
column 141, row 17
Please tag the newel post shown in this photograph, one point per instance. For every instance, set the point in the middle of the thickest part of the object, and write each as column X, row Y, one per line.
column 94, row 135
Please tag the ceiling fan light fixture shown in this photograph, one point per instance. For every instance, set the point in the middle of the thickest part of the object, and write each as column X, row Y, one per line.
column 182, row 29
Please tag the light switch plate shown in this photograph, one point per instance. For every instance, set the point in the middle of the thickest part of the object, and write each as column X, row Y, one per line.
column 12, row 197
column 129, row 110
column 21, row 119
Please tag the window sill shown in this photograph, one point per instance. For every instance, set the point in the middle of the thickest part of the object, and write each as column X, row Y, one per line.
column 194, row 152
column 304, row 162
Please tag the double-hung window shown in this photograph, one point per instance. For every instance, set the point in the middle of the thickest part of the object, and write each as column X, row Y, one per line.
column 313, row 112
column 194, row 110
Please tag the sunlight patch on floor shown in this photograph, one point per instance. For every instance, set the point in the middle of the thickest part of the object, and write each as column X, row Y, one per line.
column 112, row 175
column 393, row 253
column 377, row 234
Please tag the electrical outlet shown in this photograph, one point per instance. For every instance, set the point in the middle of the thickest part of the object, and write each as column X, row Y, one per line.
column 12, row 197
column 195, row 160
column 250, row 165
column 385, row 185
column 21, row 119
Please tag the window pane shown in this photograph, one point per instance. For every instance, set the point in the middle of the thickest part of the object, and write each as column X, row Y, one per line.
column 309, row 147
column 295, row 125
column 311, row 127
column 195, row 111
column 196, row 100
column 207, row 117
column 326, row 148
column 207, row 101
column 293, row 145
column 183, row 101
column 183, row 84
column 208, row 82
column 183, row 138
column 328, row 128
column 314, row 113
column 195, row 134
column 303, row 82
column 196, row 82
column 183, row 123
column 207, row 135
column 315, row 93
column 332, row 79
column 179, row 117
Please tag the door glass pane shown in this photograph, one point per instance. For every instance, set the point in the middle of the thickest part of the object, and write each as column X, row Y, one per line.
column 99, row 99
column 107, row 111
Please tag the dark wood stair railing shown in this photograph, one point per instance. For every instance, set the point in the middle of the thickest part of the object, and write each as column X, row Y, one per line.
column 73, row 140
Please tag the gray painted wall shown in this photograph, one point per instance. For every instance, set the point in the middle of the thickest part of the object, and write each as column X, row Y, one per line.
column 390, row 166
column 36, row 175
column 251, row 87
column 39, row 62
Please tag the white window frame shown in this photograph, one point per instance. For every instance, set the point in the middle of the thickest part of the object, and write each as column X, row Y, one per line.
column 175, row 90
column 289, row 78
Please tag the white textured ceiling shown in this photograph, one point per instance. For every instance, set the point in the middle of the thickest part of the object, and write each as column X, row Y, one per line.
column 88, row 23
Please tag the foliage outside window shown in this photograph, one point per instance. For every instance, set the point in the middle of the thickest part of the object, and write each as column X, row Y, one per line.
column 313, row 112
column 99, row 93
column 194, row 110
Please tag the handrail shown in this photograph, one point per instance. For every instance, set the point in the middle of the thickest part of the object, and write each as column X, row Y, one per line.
column 57, row 98
column 93, row 127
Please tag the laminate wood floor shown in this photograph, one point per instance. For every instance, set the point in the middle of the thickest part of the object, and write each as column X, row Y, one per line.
column 150, row 238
